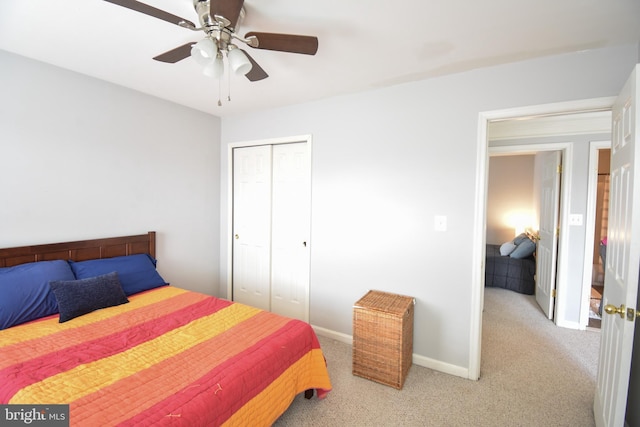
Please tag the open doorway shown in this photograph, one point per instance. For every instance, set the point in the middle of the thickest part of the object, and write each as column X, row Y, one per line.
column 485, row 119
column 600, row 162
column 575, row 134
column 519, row 200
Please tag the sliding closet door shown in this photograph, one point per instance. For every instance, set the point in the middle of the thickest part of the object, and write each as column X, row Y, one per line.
column 252, row 226
column 271, row 222
column 291, row 214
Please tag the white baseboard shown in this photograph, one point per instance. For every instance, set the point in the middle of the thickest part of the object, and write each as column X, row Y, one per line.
column 440, row 366
column 568, row 325
column 338, row 336
column 417, row 359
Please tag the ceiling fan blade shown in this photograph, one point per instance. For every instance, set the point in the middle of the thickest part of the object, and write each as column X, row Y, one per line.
column 285, row 42
column 229, row 9
column 256, row 73
column 174, row 55
column 152, row 11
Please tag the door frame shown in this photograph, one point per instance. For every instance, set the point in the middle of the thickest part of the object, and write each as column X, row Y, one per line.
column 229, row 243
column 590, row 224
column 566, row 148
column 480, row 202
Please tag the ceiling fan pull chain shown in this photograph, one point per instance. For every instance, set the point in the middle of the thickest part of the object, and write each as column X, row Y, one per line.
column 228, row 85
column 219, row 92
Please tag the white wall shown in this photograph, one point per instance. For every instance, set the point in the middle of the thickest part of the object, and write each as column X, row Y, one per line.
column 510, row 197
column 81, row 158
column 385, row 162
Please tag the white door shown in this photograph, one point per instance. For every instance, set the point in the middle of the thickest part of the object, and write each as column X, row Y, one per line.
column 546, row 258
column 622, row 262
column 291, row 213
column 252, row 226
column 271, row 228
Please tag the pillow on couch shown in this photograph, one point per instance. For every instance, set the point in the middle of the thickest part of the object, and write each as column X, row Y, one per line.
column 137, row 273
column 25, row 294
column 78, row 297
column 525, row 249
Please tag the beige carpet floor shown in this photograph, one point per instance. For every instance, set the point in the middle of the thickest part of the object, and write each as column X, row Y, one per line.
column 532, row 374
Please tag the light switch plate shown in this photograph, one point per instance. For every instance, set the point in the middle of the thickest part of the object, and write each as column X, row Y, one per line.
column 575, row 219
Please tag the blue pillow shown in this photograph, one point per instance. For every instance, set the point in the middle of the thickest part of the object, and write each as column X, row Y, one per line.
column 525, row 249
column 507, row 248
column 25, row 293
column 137, row 273
column 78, row 297
column 520, row 238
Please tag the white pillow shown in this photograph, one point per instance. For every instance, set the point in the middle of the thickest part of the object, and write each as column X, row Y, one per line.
column 507, row 248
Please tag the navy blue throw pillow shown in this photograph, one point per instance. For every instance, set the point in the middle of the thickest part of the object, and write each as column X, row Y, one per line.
column 78, row 297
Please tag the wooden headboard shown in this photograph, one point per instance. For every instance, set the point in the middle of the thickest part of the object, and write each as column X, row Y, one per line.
column 81, row 250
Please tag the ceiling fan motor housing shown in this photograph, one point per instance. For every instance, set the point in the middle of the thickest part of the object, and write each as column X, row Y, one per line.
column 203, row 9
column 217, row 27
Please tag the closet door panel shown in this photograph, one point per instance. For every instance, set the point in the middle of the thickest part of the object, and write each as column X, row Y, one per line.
column 290, row 226
column 252, row 226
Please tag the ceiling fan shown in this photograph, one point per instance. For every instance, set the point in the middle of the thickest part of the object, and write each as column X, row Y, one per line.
column 219, row 20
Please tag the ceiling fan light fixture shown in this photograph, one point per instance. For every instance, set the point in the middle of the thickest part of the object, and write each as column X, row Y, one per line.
column 238, row 61
column 214, row 68
column 204, row 51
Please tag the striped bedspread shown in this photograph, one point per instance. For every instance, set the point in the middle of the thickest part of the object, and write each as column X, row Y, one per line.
column 169, row 357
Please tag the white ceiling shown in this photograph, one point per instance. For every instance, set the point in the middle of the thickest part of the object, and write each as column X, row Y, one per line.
column 362, row 44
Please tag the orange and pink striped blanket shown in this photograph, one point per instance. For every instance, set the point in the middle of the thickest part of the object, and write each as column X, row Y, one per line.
column 170, row 357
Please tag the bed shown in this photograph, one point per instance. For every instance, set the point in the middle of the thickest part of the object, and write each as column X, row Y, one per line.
column 165, row 356
column 514, row 273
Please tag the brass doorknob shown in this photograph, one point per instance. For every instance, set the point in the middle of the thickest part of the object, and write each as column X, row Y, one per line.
column 612, row 309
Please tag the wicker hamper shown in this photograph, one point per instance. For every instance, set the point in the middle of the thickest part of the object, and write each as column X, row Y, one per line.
column 383, row 337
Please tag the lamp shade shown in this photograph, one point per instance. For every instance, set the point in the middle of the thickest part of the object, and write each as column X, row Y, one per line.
column 239, row 62
column 214, row 68
column 204, row 51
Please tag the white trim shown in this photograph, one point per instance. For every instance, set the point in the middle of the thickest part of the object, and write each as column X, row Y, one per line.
column 528, row 148
column 337, row 336
column 272, row 141
column 477, row 282
column 437, row 365
column 478, row 251
column 590, row 224
column 569, row 325
column 570, row 107
column 556, row 125
column 417, row 359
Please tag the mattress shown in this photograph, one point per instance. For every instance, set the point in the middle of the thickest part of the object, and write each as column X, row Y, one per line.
column 169, row 356
column 509, row 273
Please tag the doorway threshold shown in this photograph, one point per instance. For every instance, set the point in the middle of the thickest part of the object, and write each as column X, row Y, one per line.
column 594, row 324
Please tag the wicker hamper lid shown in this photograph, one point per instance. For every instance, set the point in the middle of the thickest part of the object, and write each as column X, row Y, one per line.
column 384, row 302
